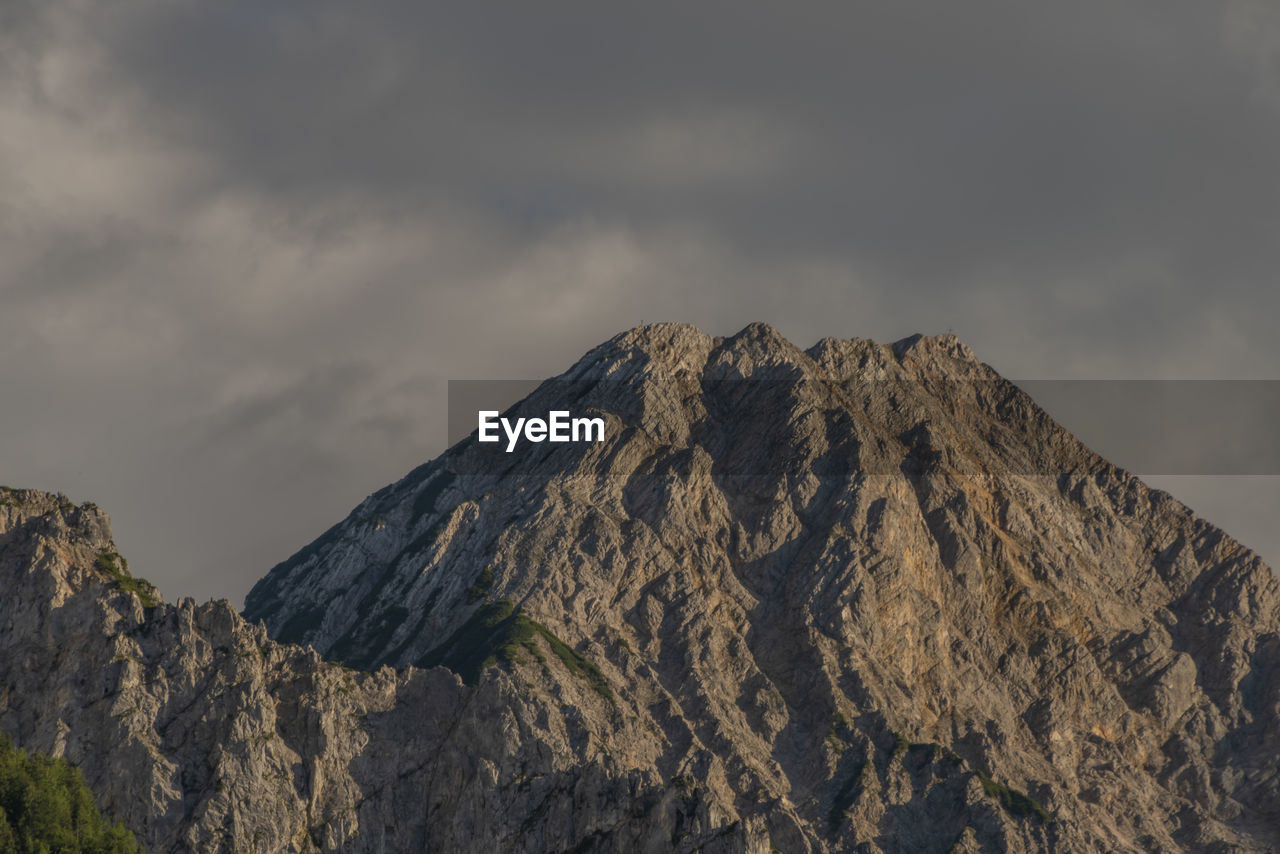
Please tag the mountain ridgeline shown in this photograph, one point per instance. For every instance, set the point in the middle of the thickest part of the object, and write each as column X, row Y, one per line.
column 783, row 563
column 852, row 598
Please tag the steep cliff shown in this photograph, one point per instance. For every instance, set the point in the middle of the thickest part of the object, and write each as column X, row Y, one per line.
column 852, row 598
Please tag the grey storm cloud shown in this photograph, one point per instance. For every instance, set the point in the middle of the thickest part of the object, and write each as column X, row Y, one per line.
column 243, row 246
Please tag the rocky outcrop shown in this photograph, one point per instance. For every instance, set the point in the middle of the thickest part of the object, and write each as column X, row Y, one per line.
column 205, row 736
column 851, row 598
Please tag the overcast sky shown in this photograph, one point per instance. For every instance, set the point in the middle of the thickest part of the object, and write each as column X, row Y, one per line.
column 243, row 245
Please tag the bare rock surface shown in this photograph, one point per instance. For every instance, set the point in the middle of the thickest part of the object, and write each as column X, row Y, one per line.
column 851, row 598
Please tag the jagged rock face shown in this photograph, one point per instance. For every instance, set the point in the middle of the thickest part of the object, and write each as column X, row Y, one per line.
column 205, row 736
column 783, row 563
column 854, row 598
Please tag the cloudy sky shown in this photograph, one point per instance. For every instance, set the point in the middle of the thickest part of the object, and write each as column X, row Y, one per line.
column 243, row 245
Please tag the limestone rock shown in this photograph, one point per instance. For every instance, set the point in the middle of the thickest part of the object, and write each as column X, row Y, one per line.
column 850, row 598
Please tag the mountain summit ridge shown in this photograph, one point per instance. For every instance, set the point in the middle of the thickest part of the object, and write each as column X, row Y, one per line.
column 858, row 597
column 895, row 521
column 653, row 380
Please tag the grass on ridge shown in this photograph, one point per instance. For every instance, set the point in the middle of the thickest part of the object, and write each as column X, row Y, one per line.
column 116, row 568
column 496, row 634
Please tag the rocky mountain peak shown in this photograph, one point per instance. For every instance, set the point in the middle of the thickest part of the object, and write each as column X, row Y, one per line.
column 850, row 598
column 777, row 538
column 67, row 547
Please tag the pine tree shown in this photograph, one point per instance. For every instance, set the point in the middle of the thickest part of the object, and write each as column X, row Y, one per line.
column 46, row 808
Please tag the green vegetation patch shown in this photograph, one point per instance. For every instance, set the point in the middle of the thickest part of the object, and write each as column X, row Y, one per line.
column 484, row 583
column 496, row 633
column 116, row 568
column 1014, row 802
column 45, row 807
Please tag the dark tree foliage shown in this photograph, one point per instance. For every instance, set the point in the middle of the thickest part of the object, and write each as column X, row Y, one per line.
column 46, row 808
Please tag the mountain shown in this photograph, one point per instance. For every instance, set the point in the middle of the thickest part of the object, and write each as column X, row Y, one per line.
column 205, row 736
column 850, row 598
